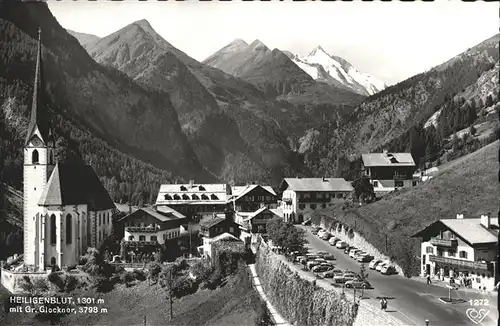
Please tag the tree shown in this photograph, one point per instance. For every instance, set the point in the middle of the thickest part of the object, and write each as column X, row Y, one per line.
column 489, row 101
column 472, row 130
column 286, row 235
column 363, row 190
column 363, row 276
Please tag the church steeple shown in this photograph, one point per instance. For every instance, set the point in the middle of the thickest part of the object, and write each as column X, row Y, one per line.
column 38, row 116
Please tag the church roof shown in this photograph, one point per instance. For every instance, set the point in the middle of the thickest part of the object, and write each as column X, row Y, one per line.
column 38, row 116
column 75, row 184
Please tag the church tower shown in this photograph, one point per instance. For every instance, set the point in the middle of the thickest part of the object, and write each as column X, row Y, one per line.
column 39, row 162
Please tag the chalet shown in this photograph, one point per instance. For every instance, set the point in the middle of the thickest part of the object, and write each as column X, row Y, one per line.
column 149, row 228
column 301, row 196
column 255, row 222
column 206, row 248
column 252, row 197
column 194, row 200
column 389, row 171
column 213, row 226
column 461, row 247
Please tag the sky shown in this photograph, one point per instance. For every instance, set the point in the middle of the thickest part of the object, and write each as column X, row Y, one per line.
column 391, row 41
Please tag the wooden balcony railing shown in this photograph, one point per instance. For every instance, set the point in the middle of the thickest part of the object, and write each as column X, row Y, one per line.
column 145, row 229
column 448, row 243
column 474, row 265
column 142, row 243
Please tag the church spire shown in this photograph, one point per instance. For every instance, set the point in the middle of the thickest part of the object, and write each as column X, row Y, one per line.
column 38, row 117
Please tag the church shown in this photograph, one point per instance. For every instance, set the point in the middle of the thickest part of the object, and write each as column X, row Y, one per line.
column 66, row 207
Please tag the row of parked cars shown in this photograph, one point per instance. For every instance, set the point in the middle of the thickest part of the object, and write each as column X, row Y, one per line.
column 384, row 267
column 322, row 264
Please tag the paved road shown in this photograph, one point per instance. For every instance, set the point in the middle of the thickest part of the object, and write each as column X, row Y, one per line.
column 413, row 301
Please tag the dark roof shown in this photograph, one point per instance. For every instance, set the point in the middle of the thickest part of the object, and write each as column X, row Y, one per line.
column 212, row 221
column 75, row 184
column 38, row 116
column 161, row 216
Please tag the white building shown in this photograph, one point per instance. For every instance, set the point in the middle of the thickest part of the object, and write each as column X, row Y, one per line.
column 149, row 227
column 301, row 196
column 66, row 208
column 461, row 247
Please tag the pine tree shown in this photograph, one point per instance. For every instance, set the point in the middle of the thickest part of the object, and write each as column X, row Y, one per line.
column 489, row 101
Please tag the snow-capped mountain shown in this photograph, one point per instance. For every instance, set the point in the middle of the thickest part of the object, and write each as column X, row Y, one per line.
column 337, row 71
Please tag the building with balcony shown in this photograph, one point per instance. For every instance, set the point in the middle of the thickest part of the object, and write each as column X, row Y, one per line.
column 389, row 171
column 250, row 198
column 146, row 228
column 194, row 200
column 255, row 222
column 215, row 225
column 301, row 196
column 461, row 247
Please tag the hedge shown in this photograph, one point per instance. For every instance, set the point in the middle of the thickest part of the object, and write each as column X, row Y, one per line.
column 300, row 301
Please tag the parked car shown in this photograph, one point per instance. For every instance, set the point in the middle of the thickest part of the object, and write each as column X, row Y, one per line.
column 321, row 233
column 332, row 241
column 353, row 252
column 306, row 222
column 388, row 270
column 300, row 258
column 374, row 263
column 359, row 254
column 346, row 276
column 381, row 265
column 365, row 258
column 326, row 236
column 315, row 230
column 329, row 257
column 316, row 262
column 357, row 283
column 341, row 245
column 322, row 253
column 321, row 268
column 347, row 249
column 332, row 272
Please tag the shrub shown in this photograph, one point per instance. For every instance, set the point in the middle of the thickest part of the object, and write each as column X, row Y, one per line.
column 154, row 271
column 263, row 317
column 40, row 285
column 214, row 280
column 25, row 284
column 127, row 278
column 71, row 267
column 139, row 275
column 56, row 279
column 183, row 285
column 102, row 284
column 71, row 283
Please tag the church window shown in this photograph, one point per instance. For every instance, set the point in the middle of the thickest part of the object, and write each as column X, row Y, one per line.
column 53, row 229
column 69, row 228
column 35, row 157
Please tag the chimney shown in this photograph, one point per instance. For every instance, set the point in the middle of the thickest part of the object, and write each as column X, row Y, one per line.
column 486, row 220
column 460, row 216
column 191, row 183
column 228, row 190
column 325, row 179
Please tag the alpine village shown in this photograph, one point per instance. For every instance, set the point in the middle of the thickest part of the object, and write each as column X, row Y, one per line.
column 140, row 186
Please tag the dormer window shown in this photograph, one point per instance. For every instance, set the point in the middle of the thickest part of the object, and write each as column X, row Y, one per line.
column 168, row 197
column 185, row 197
column 177, row 197
column 35, row 157
column 201, row 188
column 183, row 188
column 195, row 197
column 214, row 197
column 204, row 197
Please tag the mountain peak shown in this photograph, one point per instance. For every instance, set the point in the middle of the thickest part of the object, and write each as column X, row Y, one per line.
column 238, row 42
column 258, row 45
column 143, row 23
column 317, row 49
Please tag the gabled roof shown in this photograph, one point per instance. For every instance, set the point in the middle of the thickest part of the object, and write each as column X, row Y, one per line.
column 38, row 116
column 317, row 184
column 388, row 159
column 75, row 184
column 469, row 229
column 212, row 221
column 225, row 237
column 240, row 191
column 160, row 216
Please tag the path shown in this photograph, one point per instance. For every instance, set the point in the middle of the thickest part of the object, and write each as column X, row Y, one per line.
column 278, row 319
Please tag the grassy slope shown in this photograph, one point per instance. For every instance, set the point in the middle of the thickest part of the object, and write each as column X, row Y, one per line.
column 234, row 304
column 467, row 185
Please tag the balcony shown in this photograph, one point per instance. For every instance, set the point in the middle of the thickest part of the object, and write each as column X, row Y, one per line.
column 400, row 177
column 145, row 229
column 473, row 265
column 448, row 243
column 142, row 243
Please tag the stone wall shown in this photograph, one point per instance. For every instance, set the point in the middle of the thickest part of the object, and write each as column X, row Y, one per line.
column 10, row 279
column 365, row 313
column 355, row 239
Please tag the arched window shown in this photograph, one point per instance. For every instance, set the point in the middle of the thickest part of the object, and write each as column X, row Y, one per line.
column 53, row 229
column 69, row 228
column 35, row 157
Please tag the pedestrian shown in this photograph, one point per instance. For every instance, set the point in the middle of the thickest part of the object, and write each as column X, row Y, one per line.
column 385, row 304
column 428, row 279
column 382, row 304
